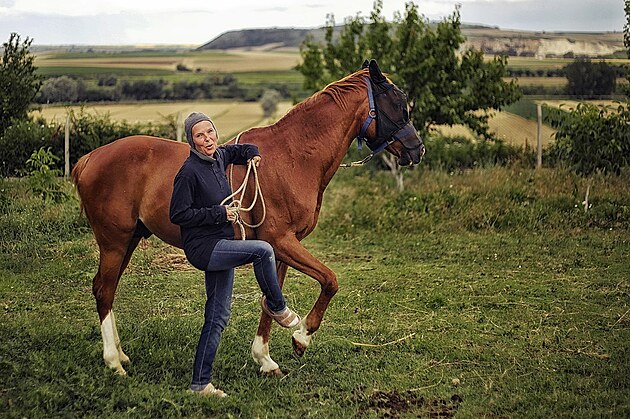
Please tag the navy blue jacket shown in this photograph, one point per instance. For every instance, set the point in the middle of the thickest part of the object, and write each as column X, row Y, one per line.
column 198, row 190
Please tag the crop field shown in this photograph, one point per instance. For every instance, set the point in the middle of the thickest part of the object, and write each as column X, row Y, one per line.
column 488, row 293
column 572, row 104
column 231, row 117
column 539, row 81
column 234, row 61
column 552, row 63
column 511, row 128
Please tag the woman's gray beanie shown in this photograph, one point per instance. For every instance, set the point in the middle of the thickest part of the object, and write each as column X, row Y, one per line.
column 193, row 119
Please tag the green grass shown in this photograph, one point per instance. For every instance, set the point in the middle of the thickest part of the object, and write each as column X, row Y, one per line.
column 485, row 293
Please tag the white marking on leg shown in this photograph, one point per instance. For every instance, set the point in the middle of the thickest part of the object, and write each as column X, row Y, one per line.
column 121, row 355
column 110, row 352
column 302, row 335
column 260, row 353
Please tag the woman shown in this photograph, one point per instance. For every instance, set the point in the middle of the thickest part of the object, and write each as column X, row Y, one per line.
column 208, row 238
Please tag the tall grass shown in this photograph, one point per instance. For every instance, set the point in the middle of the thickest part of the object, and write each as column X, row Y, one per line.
column 478, row 293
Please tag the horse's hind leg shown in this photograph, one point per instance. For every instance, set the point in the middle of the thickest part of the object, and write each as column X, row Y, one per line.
column 112, row 263
column 260, row 346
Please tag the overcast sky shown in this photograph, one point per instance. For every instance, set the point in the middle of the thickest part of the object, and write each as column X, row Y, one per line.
column 126, row 22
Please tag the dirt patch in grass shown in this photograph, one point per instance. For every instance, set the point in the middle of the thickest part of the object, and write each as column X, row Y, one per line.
column 393, row 404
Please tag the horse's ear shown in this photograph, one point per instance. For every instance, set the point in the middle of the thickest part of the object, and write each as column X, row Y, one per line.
column 375, row 72
column 365, row 64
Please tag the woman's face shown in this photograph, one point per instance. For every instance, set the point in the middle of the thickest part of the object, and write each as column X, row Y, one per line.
column 204, row 137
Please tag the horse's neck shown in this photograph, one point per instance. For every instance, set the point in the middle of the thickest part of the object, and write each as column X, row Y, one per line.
column 321, row 132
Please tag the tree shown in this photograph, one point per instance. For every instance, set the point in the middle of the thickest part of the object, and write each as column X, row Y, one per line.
column 59, row 89
column 18, row 82
column 444, row 85
column 589, row 80
column 269, row 102
column 591, row 138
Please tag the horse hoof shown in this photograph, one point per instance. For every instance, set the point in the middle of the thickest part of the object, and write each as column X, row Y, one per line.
column 298, row 348
column 124, row 359
column 121, row 371
column 273, row 373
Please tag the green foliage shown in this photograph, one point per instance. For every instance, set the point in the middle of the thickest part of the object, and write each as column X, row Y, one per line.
column 269, row 102
column 88, row 131
column 458, row 153
column 21, row 138
column 18, row 81
column 591, row 138
column 444, row 85
column 590, row 80
column 60, row 89
column 43, row 177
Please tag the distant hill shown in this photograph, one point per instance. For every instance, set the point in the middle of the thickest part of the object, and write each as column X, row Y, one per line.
column 491, row 40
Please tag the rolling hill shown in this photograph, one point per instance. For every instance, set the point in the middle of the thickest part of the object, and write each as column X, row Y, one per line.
column 490, row 40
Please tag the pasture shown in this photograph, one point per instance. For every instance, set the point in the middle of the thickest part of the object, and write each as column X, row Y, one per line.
column 480, row 294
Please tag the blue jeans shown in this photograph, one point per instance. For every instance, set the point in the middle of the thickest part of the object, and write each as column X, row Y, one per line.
column 227, row 255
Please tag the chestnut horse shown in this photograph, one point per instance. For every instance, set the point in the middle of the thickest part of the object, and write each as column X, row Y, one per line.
column 125, row 189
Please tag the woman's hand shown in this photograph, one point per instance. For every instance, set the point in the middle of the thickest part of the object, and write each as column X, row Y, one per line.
column 231, row 213
column 255, row 159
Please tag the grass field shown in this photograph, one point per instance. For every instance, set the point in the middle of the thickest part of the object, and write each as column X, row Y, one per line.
column 484, row 294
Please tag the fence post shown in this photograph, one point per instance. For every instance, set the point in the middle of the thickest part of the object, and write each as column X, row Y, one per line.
column 180, row 127
column 66, row 148
column 539, row 136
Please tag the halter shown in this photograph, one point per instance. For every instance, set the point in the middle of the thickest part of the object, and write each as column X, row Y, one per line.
column 395, row 136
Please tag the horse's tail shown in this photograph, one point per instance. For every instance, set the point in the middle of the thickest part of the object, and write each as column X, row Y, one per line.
column 76, row 176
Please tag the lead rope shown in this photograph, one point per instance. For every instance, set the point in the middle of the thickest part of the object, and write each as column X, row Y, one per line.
column 238, row 203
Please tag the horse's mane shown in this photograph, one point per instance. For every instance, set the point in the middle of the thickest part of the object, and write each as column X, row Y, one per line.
column 336, row 90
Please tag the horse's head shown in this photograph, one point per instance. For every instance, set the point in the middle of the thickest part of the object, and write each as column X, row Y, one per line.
column 394, row 130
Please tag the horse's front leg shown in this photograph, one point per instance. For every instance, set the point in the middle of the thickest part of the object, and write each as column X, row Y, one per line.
column 260, row 346
column 291, row 251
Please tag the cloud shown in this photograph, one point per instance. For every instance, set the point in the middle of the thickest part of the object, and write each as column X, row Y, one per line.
column 198, row 21
column 550, row 15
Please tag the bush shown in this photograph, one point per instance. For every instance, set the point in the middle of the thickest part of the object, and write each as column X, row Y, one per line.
column 591, row 138
column 88, row 131
column 458, row 153
column 60, row 89
column 22, row 138
column 43, row 178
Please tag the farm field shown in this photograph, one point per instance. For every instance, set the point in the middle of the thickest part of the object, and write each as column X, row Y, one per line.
column 552, row 63
column 231, row 117
column 480, row 294
column 511, row 128
column 572, row 104
column 233, row 61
